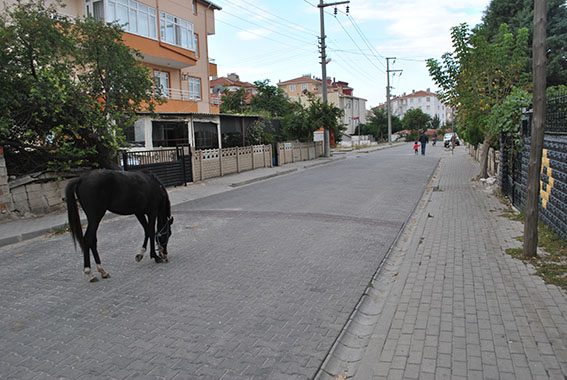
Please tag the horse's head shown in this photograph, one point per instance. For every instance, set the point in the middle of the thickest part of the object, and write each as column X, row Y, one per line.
column 162, row 236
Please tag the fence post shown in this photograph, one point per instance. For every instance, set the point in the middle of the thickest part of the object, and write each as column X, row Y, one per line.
column 252, row 155
column 220, row 160
column 125, row 160
column 237, row 159
column 192, row 151
column 292, row 153
column 201, row 161
column 264, row 154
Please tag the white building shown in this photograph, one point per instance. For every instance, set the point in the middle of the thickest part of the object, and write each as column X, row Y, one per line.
column 426, row 101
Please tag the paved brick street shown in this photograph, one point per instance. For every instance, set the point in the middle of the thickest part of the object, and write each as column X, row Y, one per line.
column 261, row 281
column 457, row 306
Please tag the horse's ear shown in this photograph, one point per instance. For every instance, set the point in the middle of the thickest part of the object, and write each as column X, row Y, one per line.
column 171, row 220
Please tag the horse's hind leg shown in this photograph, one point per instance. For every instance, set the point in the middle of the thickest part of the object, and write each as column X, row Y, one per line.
column 143, row 221
column 91, row 240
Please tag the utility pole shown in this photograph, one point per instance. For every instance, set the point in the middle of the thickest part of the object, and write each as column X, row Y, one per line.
column 538, row 126
column 321, row 7
column 388, row 71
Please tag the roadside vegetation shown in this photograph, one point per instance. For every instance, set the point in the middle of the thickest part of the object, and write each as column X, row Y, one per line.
column 299, row 121
column 71, row 88
column 551, row 264
column 487, row 77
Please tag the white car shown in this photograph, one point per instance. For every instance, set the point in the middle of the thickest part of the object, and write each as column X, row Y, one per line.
column 447, row 139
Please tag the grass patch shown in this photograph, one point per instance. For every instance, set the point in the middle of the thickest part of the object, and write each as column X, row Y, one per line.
column 551, row 265
column 61, row 230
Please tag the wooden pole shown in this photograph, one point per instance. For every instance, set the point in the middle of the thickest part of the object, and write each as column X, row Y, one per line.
column 538, row 125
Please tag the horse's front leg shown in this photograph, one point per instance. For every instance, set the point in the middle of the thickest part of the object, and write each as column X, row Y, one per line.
column 144, row 222
column 152, row 230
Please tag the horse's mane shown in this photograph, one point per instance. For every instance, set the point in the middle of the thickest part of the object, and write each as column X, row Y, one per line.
column 166, row 201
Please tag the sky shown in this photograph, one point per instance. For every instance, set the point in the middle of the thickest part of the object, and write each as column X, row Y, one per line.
column 278, row 40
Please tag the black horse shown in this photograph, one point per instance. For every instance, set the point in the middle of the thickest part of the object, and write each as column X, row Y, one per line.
column 124, row 193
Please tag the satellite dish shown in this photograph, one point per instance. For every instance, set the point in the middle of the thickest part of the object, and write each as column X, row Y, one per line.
column 217, row 89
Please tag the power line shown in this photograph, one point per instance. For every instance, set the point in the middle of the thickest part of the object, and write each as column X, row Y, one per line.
column 260, row 35
column 279, row 17
column 266, row 28
column 358, row 47
column 361, row 34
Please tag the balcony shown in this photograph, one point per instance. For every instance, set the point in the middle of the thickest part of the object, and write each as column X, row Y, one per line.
column 177, row 94
column 177, row 101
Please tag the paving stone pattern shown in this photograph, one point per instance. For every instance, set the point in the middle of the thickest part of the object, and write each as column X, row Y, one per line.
column 258, row 286
column 461, row 308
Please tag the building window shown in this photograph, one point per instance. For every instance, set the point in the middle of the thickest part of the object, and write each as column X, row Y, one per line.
column 134, row 17
column 196, row 44
column 428, row 108
column 194, row 88
column 304, row 86
column 161, row 79
column 194, row 7
column 411, row 100
column 176, row 31
column 292, row 87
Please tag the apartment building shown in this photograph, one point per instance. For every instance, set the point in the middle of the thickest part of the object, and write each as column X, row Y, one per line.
column 173, row 39
column 230, row 83
column 338, row 93
column 426, row 101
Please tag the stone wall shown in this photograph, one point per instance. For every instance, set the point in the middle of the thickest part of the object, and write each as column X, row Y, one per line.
column 6, row 205
column 38, row 194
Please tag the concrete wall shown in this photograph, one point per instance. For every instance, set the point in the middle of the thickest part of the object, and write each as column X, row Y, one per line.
column 210, row 163
column 292, row 152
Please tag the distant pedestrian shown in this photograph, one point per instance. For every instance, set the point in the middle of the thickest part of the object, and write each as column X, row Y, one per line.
column 415, row 147
column 423, row 140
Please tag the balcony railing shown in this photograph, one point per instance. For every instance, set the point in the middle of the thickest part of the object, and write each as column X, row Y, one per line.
column 177, row 94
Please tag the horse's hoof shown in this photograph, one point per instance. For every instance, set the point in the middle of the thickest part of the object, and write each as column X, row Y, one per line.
column 165, row 258
column 105, row 275
column 158, row 259
column 93, row 279
column 139, row 257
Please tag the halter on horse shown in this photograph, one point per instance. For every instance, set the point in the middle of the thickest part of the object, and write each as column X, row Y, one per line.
column 124, row 193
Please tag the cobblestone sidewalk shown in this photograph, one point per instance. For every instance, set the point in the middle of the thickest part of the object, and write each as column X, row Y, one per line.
column 458, row 307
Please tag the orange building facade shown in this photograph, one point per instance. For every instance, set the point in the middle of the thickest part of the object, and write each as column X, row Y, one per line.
column 173, row 39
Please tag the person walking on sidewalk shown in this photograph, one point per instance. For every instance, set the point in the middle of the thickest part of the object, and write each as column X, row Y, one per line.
column 416, row 147
column 423, row 140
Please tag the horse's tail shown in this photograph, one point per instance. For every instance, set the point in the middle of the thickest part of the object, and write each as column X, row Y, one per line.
column 73, row 213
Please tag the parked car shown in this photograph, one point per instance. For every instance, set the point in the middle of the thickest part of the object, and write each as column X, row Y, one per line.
column 447, row 139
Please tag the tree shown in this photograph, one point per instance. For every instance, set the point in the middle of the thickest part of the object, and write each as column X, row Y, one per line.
column 415, row 120
column 519, row 14
column 304, row 120
column 234, row 101
column 479, row 74
column 377, row 124
column 435, row 123
column 269, row 99
column 73, row 88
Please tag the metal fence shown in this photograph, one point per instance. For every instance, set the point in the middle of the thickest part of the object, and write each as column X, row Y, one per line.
column 556, row 118
column 172, row 166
